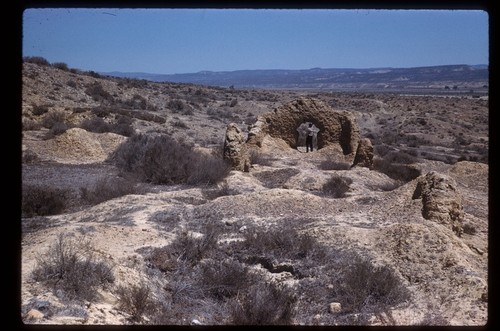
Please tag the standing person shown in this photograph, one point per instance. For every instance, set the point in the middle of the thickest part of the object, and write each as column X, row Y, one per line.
column 309, row 138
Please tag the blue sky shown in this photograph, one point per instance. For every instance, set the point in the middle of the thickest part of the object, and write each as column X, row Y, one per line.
column 167, row 41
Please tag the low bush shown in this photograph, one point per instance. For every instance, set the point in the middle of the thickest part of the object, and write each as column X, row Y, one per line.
column 215, row 279
column 400, row 157
column 176, row 105
column 97, row 91
column 95, row 124
column 337, row 186
column 186, row 247
column 40, row 109
column 223, row 279
column 136, row 301
column 469, row 228
column 159, row 159
column 278, row 243
column 37, row 60
column 400, row 172
column 53, row 118
column 30, row 125
column 57, row 129
column 365, row 285
column 42, row 201
column 257, row 157
column 72, row 267
column 29, row 157
column 106, row 189
column 60, row 65
column 330, row 164
column 264, row 303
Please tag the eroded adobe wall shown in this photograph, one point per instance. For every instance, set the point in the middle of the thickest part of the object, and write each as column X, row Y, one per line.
column 336, row 127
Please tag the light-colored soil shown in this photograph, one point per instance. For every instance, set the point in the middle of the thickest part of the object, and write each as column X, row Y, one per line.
column 446, row 274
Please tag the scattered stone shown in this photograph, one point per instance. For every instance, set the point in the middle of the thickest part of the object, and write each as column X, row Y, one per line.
column 334, row 307
column 34, row 314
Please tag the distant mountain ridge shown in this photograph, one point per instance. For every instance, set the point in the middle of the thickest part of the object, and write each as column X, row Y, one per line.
column 326, row 78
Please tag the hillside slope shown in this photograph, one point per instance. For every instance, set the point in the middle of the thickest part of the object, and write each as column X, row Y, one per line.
column 376, row 228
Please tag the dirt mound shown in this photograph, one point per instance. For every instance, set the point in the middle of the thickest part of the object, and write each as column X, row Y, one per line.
column 75, row 146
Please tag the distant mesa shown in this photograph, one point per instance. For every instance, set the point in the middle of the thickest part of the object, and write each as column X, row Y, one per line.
column 329, row 78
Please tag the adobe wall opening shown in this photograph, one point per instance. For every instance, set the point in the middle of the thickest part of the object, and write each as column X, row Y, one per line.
column 338, row 132
column 335, row 127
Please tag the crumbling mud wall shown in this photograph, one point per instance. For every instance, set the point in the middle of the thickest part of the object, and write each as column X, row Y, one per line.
column 441, row 201
column 338, row 131
column 335, row 127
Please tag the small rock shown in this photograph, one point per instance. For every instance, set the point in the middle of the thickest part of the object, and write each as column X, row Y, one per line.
column 334, row 307
column 34, row 314
column 243, row 228
column 195, row 322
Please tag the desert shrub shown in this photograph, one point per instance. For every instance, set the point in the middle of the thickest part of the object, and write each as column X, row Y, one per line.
column 330, row 164
column 42, row 200
column 93, row 74
column 101, row 111
column 469, row 228
column 214, row 279
column 336, row 186
column 399, row 157
column 29, row 156
column 36, row 60
column 40, row 109
column 186, row 247
column 278, row 242
column 97, row 92
column 233, row 103
column 433, row 319
column 257, row 157
column 220, row 114
column 78, row 110
column 400, row 172
column 72, row 267
column 123, row 126
column 365, row 285
column 29, row 125
column 60, row 65
column 56, row 129
column 223, row 279
column 264, row 304
column 180, row 124
column 207, row 170
column 137, row 102
column 160, row 159
column 52, row 118
column 106, row 189
column 135, row 300
column 72, row 84
column 176, row 105
column 95, row 124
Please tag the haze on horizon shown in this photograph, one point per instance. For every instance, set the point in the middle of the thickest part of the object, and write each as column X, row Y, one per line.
column 169, row 41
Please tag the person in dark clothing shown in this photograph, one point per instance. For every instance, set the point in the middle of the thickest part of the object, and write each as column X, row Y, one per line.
column 309, row 138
